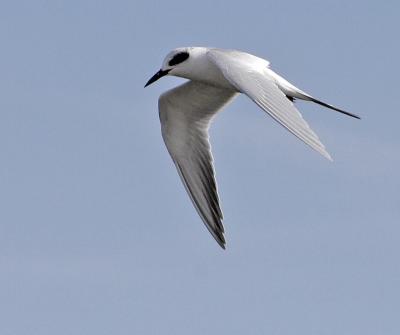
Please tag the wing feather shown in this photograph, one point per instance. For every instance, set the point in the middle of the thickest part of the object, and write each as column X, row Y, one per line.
column 185, row 115
column 251, row 77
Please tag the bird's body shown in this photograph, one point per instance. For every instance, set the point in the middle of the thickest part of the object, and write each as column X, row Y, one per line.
column 216, row 76
column 199, row 67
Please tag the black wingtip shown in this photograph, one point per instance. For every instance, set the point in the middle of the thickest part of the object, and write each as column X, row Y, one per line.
column 219, row 237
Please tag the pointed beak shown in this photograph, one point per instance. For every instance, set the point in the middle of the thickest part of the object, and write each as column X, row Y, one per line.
column 157, row 76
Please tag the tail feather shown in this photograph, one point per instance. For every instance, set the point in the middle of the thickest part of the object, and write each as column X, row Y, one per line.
column 333, row 107
column 292, row 93
column 304, row 96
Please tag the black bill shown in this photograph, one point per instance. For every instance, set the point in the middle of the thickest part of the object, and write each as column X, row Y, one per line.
column 157, row 76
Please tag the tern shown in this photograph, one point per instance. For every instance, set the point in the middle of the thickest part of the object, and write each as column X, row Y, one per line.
column 216, row 76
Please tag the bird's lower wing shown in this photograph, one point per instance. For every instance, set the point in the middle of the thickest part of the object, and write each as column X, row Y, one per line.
column 185, row 115
column 253, row 80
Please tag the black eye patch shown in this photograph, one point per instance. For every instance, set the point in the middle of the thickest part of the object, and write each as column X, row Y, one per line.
column 178, row 58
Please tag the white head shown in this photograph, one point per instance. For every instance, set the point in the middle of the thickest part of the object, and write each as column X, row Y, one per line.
column 176, row 63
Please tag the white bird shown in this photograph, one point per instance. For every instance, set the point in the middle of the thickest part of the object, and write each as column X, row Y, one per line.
column 216, row 76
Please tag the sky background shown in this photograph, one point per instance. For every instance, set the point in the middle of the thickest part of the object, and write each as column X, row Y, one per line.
column 97, row 235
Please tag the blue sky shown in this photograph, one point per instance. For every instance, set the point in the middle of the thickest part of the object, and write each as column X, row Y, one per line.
column 97, row 235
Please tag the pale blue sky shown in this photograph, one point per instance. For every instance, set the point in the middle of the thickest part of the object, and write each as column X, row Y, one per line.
column 97, row 235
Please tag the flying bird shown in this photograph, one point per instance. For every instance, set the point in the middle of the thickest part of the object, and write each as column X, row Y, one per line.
column 216, row 76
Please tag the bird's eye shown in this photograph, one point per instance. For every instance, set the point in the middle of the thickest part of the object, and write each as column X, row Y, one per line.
column 178, row 58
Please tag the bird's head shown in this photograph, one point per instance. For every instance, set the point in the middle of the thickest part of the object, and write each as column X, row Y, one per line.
column 176, row 63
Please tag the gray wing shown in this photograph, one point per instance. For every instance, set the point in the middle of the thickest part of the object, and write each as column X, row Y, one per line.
column 251, row 76
column 185, row 115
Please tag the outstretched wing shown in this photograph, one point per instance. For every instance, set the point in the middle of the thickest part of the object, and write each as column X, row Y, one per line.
column 185, row 115
column 250, row 75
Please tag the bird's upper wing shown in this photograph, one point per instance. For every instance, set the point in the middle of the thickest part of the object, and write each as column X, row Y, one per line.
column 185, row 115
column 249, row 75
